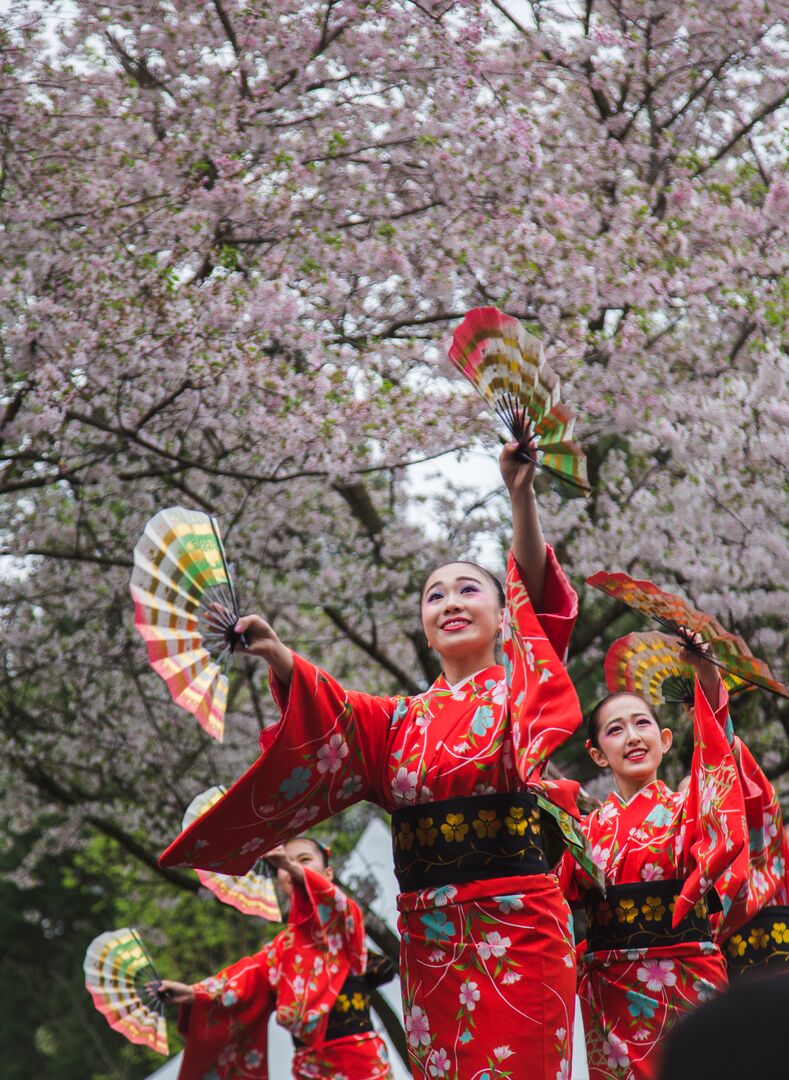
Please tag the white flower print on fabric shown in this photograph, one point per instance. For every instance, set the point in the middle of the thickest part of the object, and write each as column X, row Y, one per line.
column 416, row 1027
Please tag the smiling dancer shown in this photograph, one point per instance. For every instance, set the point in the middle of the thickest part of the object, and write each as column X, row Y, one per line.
column 487, row 960
column 650, row 953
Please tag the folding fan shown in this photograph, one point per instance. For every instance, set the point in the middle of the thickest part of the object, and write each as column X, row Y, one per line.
column 121, row 979
column 726, row 650
column 251, row 893
column 506, row 365
column 185, row 608
column 649, row 665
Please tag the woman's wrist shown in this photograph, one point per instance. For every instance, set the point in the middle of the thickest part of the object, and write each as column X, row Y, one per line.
column 280, row 659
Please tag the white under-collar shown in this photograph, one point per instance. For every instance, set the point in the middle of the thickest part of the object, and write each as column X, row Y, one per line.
column 463, row 682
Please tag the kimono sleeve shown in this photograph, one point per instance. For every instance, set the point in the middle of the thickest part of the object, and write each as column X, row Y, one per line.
column 544, row 706
column 379, row 970
column 559, row 606
column 322, row 756
column 768, row 851
column 227, row 1024
column 714, row 830
column 324, row 944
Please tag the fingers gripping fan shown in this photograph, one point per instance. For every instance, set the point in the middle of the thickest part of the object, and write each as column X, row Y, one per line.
column 740, row 669
column 118, row 971
column 251, row 893
column 185, row 608
column 649, row 665
column 506, row 365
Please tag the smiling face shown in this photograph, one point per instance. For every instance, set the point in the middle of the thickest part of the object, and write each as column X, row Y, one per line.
column 461, row 613
column 630, row 742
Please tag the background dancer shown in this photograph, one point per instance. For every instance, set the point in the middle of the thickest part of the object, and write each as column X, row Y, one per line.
column 302, row 974
column 649, row 953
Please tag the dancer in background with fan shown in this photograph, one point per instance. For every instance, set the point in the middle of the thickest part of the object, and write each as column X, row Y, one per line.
column 306, row 974
column 754, row 930
column 487, row 958
column 649, row 953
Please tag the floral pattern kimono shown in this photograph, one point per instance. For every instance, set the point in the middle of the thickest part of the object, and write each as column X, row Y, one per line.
column 300, row 974
column 755, row 930
column 631, row 995
column 487, row 966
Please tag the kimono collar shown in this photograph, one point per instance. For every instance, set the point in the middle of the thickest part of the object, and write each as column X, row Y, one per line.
column 495, row 672
column 656, row 786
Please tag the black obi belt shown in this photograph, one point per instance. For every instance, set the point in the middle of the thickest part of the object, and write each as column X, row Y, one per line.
column 762, row 942
column 638, row 916
column 350, row 1014
column 467, row 839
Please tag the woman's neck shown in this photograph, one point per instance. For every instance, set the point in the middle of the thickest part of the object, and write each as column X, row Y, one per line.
column 460, row 668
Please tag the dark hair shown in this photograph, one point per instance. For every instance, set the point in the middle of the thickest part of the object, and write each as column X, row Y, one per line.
column 467, row 562
column 594, row 716
column 323, row 849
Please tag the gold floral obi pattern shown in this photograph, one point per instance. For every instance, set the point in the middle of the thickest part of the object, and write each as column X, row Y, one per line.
column 350, row 1014
column 638, row 916
column 467, row 839
column 762, row 942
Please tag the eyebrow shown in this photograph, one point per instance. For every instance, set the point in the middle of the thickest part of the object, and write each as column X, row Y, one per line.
column 461, row 577
column 619, row 719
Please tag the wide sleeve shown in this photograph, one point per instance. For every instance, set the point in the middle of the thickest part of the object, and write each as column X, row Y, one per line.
column 714, row 836
column 379, row 970
column 559, row 608
column 768, row 851
column 323, row 945
column 544, row 706
column 322, row 756
column 226, row 1026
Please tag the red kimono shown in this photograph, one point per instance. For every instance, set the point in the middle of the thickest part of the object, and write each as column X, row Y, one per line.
column 300, row 974
column 487, row 960
column 753, row 931
column 649, row 954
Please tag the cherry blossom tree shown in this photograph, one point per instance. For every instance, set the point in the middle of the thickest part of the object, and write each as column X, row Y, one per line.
column 236, row 238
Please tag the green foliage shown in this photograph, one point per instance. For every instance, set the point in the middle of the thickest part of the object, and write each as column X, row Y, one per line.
column 48, row 1025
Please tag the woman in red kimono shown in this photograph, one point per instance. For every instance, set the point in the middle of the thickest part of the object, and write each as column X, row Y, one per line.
column 649, row 953
column 487, row 959
column 754, row 932
column 304, row 974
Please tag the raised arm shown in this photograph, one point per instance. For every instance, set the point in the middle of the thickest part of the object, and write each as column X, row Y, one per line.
column 528, row 542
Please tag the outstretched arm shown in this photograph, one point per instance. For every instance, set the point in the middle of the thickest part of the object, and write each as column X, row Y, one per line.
column 278, row 857
column 528, row 542
column 177, row 992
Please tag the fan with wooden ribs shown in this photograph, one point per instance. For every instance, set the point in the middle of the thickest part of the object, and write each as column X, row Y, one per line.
column 506, row 365
column 185, row 608
column 649, row 664
column 251, row 893
column 123, row 982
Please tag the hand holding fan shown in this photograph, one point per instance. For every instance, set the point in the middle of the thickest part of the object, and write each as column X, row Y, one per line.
column 251, row 893
column 656, row 658
column 121, row 979
column 650, row 665
column 506, row 365
column 185, row 608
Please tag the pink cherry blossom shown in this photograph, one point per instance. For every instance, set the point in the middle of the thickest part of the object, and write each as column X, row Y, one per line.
column 330, row 756
column 469, row 995
column 416, row 1027
column 657, row 974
